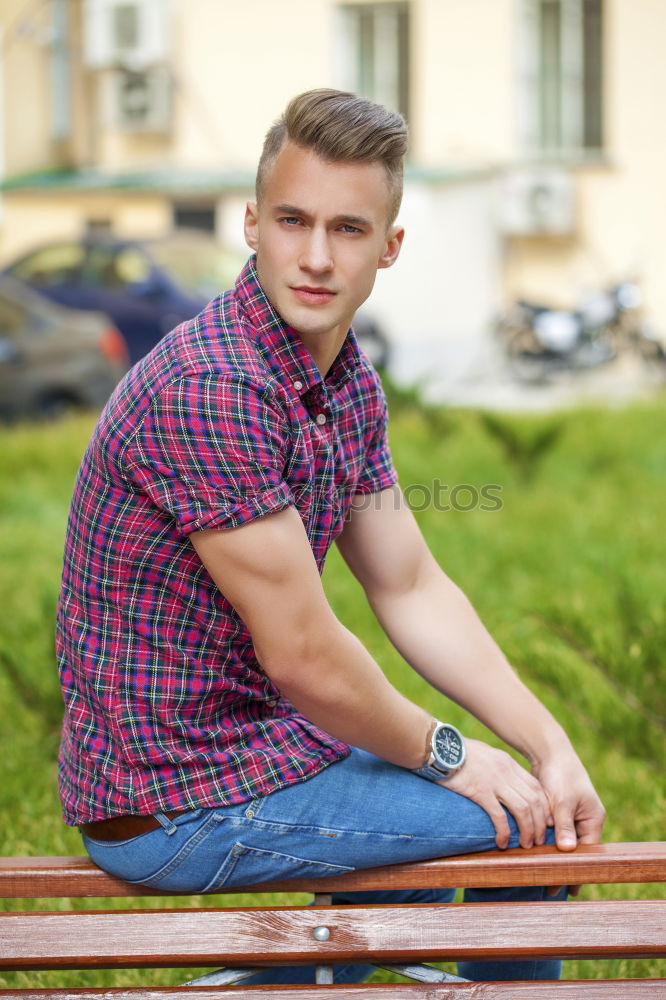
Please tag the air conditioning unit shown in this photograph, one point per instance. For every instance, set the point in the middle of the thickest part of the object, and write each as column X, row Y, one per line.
column 128, row 33
column 539, row 201
column 142, row 100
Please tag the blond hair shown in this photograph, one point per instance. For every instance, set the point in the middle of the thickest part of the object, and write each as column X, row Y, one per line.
column 340, row 127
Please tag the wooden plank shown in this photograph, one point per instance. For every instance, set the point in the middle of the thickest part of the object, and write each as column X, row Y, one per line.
column 619, row 989
column 598, row 864
column 285, row 935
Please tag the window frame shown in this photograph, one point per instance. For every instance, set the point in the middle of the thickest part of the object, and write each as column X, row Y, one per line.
column 561, row 109
column 385, row 26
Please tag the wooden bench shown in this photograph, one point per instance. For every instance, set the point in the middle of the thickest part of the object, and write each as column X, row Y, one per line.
column 323, row 934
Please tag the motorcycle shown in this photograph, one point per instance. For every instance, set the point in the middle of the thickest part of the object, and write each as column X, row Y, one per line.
column 540, row 342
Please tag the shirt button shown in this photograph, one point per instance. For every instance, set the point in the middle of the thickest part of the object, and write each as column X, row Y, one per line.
column 298, row 385
column 321, row 418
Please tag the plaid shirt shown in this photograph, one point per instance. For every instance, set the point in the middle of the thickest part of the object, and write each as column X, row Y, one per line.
column 226, row 420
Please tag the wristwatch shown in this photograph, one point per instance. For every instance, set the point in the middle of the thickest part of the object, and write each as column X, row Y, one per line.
column 447, row 753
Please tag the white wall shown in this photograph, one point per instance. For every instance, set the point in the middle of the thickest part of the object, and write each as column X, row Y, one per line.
column 435, row 303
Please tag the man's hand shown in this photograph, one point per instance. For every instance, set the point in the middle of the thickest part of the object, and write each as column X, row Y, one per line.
column 494, row 780
column 576, row 807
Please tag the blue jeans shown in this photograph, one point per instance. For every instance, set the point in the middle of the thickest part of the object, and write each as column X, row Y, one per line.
column 357, row 813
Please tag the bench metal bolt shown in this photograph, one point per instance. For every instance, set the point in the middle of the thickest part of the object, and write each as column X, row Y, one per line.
column 321, row 933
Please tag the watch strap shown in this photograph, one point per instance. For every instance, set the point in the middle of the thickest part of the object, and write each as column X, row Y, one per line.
column 432, row 772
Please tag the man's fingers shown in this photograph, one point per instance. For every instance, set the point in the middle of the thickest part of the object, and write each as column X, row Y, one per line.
column 521, row 812
column 589, row 830
column 529, row 807
column 540, row 814
column 565, row 837
column 540, row 821
column 529, row 811
column 498, row 817
column 572, row 828
column 565, row 831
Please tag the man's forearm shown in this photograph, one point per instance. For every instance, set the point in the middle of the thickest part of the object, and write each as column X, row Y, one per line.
column 439, row 633
column 336, row 684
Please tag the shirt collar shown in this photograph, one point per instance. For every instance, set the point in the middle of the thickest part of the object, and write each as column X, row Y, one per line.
column 280, row 344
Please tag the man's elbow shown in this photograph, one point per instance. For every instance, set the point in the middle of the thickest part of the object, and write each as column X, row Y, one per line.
column 300, row 658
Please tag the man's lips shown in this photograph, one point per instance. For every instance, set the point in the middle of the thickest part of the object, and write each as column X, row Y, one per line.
column 311, row 295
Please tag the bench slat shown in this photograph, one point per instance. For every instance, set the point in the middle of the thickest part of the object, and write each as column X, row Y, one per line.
column 619, row 989
column 597, row 864
column 284, row 935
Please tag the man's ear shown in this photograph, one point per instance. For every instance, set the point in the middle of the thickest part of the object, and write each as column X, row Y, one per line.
column 394, row 239
column 251, row 225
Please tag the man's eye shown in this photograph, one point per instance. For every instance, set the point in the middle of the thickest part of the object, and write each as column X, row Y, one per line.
column 347, row 228
column 290, row 220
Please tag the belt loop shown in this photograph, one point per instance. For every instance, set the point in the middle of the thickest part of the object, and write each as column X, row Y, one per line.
column 167, row 825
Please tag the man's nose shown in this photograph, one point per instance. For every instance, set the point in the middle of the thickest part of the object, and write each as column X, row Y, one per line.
column 316, row 252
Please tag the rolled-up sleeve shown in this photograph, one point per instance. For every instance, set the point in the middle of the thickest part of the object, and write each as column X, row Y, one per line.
column 210, row 452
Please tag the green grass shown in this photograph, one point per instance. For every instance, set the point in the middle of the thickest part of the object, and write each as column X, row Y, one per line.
column 568, row 575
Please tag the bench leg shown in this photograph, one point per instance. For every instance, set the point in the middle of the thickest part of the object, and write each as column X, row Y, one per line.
column 423, row 973
column 229, row 977
column 323, row 973
column 222, row 977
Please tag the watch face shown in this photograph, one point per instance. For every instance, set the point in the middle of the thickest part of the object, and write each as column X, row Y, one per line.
column 448, row 746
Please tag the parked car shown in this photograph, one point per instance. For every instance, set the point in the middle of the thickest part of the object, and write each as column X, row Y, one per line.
column 53, row 358
column 146, row 287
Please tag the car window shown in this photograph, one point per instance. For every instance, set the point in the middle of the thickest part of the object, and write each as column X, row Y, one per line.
column 133, row 266
column 117, row 268
column 54, row 265
column 200, row 266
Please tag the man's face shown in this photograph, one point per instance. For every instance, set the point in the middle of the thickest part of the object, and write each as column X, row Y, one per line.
column 320, row 233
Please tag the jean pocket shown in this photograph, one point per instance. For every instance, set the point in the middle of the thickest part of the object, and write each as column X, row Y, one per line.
column 248, row 865
column 160, row 859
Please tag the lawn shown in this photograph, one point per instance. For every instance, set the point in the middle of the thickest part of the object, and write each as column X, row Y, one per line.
column 553, row 525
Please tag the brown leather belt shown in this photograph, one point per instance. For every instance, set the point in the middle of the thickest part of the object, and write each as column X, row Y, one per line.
column 125, row 827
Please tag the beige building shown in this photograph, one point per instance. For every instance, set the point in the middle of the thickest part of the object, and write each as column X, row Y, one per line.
column 537, row 149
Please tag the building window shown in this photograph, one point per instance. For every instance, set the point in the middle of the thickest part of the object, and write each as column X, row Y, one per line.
column 125, row 26
column 189, row 216
column 373, row 52
column 562, row 76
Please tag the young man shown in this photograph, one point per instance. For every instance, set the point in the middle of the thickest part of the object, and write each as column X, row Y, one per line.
column 222, row 726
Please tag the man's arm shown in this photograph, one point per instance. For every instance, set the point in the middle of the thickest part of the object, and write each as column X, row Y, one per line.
column 433, row 625
column 267, row 571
